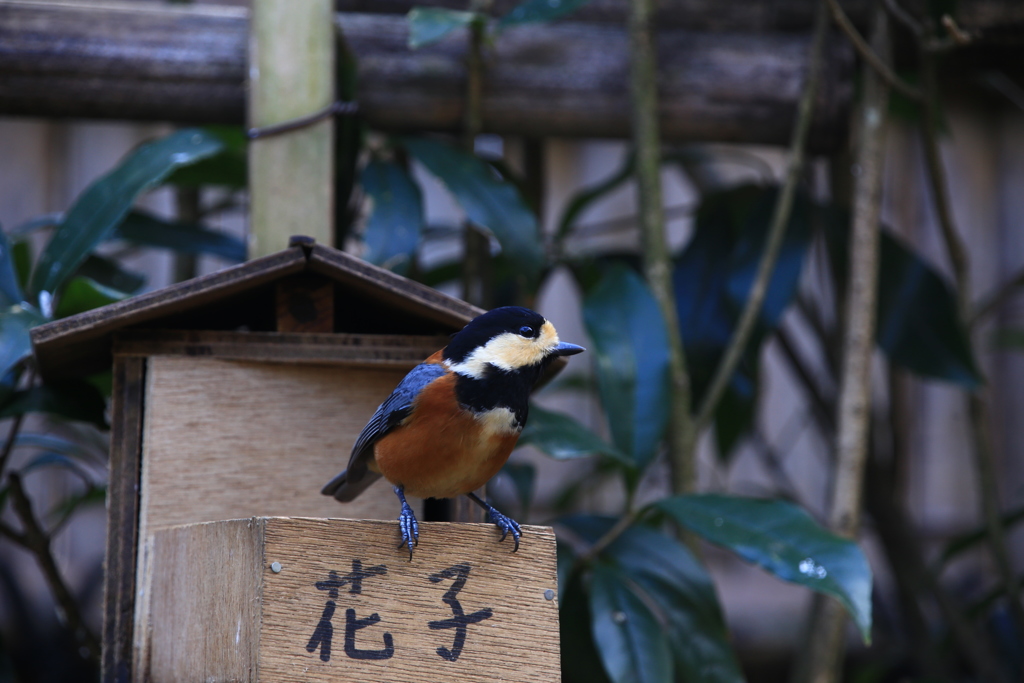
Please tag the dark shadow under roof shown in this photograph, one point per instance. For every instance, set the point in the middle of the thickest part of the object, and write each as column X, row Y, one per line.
column 368, row 299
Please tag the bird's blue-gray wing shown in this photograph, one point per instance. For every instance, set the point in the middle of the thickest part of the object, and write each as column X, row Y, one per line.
column 395, row 408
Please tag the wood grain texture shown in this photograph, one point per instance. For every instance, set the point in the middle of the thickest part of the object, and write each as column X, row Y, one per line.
column 122, row 518
column 225, row 439
column 566, row 79
column 517, row 642
column 203, row 622
column 353, row 350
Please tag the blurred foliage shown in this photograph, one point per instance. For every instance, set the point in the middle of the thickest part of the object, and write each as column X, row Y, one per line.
column 643, row 602
column 636, row 603
column 65, row 278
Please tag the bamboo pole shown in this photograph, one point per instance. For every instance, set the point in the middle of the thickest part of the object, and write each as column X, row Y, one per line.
column 291, row 75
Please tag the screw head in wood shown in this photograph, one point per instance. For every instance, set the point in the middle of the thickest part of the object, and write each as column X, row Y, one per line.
column 275, row 567
column 549, row 594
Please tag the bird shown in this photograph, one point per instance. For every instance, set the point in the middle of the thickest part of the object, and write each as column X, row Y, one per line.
column 452, row 422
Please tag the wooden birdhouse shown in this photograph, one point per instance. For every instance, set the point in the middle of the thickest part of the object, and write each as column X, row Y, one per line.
column 238, row 395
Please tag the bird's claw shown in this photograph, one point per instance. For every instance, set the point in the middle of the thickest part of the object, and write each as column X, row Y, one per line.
column 410, row 528
column 507, row 525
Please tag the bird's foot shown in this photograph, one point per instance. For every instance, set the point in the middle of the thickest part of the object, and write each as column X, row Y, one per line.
column 407, row 523
column 506, row 524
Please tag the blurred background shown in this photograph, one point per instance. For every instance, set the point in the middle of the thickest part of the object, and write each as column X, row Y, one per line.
column 555, row 123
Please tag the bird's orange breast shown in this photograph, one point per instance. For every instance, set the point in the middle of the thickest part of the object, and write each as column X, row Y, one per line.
column 442, row 450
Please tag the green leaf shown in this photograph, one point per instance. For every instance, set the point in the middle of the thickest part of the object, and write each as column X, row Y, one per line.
column 103, row 381
column 564, row 438
column 430, row 24
column 15, row 344
column 1010, row 338
column 144, row 228
column 55, row 444
column 109, row 273
column 10, row 289
column 441, row 274
column 918, row 324
column 534, row 11
column 83, row 294
column 522, row 476
column 488, row 201
column 99, row 209
column 73, row 400
column 632, row 359
column 735, row 413
column 682, row 591
column 228, row 168
column 396, row 219
column 629, row 639
column 784, row 540
column 964, row 542
column 56, row 460
column 712, row 280
column 677, row 588
column 585, row 198
column 47, row 220
column 21, row 255
column 581, row 662
column 92, row 495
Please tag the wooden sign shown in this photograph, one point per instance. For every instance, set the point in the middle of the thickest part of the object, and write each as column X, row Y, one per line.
column 296, row 599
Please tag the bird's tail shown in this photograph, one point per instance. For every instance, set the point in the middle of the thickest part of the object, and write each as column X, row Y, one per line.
column 346, row 489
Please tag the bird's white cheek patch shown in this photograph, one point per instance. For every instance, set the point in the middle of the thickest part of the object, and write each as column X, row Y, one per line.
column 498, row 422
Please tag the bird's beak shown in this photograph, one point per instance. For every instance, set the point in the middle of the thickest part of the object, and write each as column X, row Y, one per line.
column 565, row 349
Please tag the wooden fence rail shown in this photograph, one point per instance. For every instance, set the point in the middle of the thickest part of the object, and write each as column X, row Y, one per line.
column 188, row 64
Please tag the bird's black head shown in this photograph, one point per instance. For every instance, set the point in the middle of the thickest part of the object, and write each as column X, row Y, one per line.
column 510, row 338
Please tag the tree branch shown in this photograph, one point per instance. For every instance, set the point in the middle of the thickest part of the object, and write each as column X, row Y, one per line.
column 984, row 455
column 901, row 15
column 824, row 409
column 9, row 442
column 776, row 232
column 870, row 56
column 37, row 541
column 682, row 435
column 990, row 304
column 824, row 653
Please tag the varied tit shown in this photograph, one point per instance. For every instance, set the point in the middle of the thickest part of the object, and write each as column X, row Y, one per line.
column 451, row 423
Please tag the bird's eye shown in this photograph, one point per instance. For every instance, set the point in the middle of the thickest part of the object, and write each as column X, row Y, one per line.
column 527, row 331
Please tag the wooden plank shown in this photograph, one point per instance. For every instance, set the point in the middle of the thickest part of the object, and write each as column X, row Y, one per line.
column 567, row 79
column 291, row 176
column 391, row 289
column 122, row 518
column 305, row 304
column 457, row 568
column 81, row 343
column 400, row 352
column 226, row 439
column 203, row 622
column 725, row 15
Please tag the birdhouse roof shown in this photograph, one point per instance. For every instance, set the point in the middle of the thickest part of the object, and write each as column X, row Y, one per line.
column 368, row 299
